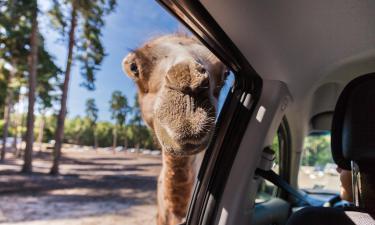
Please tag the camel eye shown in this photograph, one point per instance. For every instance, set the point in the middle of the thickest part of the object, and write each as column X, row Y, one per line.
column 134, row 68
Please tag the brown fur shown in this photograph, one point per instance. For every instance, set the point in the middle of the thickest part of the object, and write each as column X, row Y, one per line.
column 178, row 82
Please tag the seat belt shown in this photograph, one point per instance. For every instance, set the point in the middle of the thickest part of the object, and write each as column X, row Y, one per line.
column 274, row 178
column 265, row 171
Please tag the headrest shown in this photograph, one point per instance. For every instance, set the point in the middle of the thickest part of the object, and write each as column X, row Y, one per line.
column 353, row 125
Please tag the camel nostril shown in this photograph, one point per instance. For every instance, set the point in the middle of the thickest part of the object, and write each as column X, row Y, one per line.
column 201, row 70
column 201, row 89
column 205, row 83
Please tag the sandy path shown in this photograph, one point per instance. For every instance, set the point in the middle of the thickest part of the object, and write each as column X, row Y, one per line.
column 93, row 188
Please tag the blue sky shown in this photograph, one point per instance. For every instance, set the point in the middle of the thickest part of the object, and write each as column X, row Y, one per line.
column 132, row 23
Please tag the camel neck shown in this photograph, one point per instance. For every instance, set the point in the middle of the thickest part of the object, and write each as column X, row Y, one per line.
column 178, row 180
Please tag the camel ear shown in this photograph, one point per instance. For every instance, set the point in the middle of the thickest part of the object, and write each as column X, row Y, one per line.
column 130, row 66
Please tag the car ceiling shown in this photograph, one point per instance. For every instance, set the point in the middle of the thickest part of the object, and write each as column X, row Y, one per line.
column 303, row 43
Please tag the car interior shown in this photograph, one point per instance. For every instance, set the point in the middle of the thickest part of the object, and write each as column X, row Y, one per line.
column 291, row 62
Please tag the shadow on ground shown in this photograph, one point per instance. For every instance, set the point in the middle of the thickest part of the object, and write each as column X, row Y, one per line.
column 91, row 184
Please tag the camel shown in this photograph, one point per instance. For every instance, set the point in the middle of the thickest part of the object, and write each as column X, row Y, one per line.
column 178, row 81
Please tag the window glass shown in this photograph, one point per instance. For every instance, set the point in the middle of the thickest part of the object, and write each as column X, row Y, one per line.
column 317, row 170
column 228, row 83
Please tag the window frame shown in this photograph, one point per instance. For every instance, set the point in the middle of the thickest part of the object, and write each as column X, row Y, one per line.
column 234, row 117
column 284, row 144
column 284, row 135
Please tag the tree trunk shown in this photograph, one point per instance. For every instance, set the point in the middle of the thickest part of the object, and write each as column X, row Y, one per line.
column 41, row 131
column 59, row 135
column 21, row 136
column 27, row 165
column 125, row 143
column 15, row 127
column 7, row 109
column 114, row 139
column 95, row 138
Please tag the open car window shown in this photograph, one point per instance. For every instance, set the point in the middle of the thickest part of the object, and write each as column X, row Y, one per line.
column 317, row 170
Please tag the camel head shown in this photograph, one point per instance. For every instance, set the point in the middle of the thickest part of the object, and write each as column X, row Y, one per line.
column 179, row 81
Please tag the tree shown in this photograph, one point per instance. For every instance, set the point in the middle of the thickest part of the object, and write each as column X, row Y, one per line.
column 27, row 166
column 317, row 150
column 119, row 109
column 137, row 122
column 14, row 49
column 48, row 86
column 91, row 52
column 92, row 115
column 22, row 46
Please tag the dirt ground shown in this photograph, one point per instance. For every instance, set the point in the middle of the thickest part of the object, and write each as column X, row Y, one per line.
column 93, row 188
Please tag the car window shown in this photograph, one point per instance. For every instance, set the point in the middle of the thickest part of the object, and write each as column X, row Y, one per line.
column 267, row 190
column 318, row 170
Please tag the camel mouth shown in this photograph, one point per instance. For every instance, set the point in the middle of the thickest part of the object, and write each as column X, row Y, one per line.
column 182, row 144
column 184, row 124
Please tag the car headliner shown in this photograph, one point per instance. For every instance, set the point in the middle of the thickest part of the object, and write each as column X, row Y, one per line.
column 303, row 43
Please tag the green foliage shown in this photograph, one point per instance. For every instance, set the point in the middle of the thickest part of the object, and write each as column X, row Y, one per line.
column 104, row 133
column 3, row 88
column 137, row 130
column 79, row 131
column 49, row 128
column 136, row 112
column 275, row 146
column 15, row 30
column 119, row 107
column 317, row 150
column 48, row 79
column 91, row 111
column 15, row 26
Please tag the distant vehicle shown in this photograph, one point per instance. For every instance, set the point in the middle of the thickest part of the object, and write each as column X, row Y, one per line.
column 318, row 168
column 119, row 148
column 155, row 152
column 146, row 152
column 10, row 141
column 51, row 144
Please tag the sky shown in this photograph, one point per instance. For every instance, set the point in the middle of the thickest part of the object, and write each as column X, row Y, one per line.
column 131, row 24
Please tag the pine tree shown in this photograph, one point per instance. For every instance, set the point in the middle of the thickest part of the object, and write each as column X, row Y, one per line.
column 92, row 115
column 119, row 108
column 33, row 63
column 87, row 15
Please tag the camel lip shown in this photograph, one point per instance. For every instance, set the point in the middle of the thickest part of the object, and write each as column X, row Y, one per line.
column 187, row 149
column 195, row 147
column 193, row 140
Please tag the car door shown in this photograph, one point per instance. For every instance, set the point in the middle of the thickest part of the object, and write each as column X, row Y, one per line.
column 227, row 184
